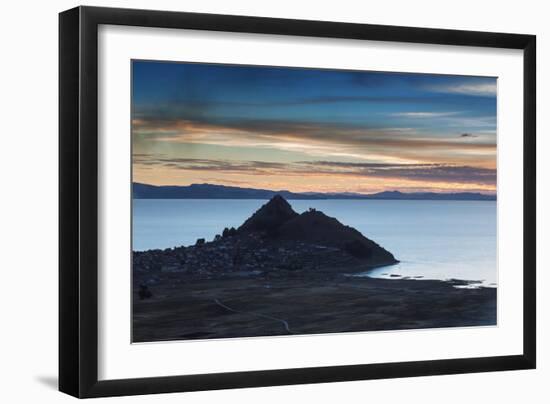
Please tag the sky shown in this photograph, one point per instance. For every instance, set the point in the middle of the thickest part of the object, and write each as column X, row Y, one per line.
column 312, row 130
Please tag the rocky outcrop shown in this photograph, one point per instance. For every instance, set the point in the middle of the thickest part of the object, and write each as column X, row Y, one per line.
column 315, row 227
column 269, row 217
column 274, row 239
column 278, row 221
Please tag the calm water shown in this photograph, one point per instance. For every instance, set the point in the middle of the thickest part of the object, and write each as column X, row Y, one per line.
column 432, row 239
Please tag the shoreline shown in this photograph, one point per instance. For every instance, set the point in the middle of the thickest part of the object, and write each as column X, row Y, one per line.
column 457, row 283
column 364, row 272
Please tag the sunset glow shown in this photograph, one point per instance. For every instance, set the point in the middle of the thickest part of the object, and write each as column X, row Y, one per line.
column 312, row 130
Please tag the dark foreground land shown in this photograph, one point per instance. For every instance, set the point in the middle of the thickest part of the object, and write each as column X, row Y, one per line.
column 250, row 306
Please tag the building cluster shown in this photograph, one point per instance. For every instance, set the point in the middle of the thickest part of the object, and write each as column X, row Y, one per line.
column 243, row 254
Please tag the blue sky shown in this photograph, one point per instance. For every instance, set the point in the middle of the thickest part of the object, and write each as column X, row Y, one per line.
column 312, row 129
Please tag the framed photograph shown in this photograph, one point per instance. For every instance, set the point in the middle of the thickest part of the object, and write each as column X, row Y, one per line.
column 251, row 201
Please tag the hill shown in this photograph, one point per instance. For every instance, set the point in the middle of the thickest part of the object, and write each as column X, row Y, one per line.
column 317, row 228
column 211, row 191
column 273, row 240
column 270, row 216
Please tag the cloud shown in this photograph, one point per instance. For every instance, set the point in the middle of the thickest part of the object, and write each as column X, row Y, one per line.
column 475, row 89
column 390, row 99
column 321, row 141
column 196, row 108
column 306, row 137
column 424, row 114
column 192, row 164
column 423, row 172
column 419, row 172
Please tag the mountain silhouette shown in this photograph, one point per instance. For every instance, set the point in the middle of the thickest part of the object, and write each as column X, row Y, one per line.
column 212, row 191
column 278, row 221
column 269, row 217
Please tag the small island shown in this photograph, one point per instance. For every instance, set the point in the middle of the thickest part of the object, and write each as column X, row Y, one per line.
column 283, row 273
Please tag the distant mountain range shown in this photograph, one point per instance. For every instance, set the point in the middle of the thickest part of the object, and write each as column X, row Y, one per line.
column 211, row 191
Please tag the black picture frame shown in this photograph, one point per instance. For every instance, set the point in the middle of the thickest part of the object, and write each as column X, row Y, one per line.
column 78, row 201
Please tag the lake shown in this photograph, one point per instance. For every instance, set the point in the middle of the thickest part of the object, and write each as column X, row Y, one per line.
column 432, row 239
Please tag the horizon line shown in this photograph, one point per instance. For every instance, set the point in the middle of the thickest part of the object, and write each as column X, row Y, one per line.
column 325, row 193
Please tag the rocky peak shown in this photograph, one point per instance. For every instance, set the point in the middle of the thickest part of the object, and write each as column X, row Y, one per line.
column 279, row 222
column 270, row 216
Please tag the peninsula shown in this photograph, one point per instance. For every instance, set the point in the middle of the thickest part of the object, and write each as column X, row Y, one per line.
column 283, row 273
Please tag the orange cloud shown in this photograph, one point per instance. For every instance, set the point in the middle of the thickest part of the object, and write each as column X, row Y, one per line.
column 326, row 141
